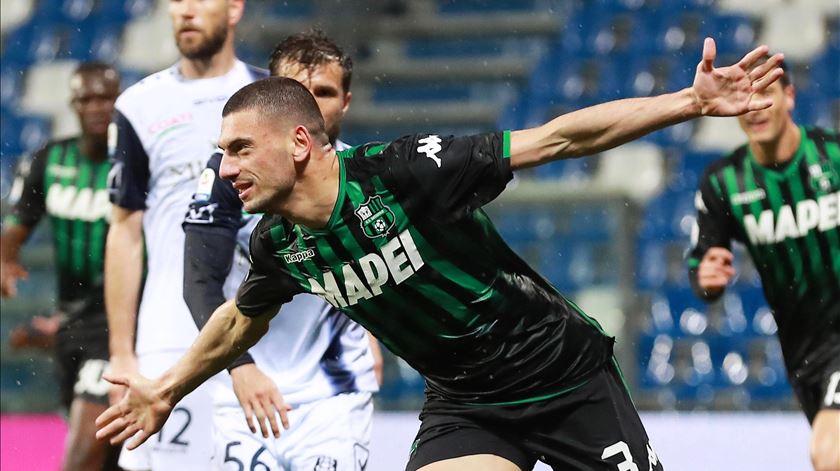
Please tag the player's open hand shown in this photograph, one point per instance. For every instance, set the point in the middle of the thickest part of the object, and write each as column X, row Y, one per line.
column 715, row 270
column 732, row 90
column 259, row 396
column 139, row 414
column 10, row 272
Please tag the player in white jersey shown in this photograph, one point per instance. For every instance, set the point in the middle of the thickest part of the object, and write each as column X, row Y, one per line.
column 315, row 356
column 164, row 127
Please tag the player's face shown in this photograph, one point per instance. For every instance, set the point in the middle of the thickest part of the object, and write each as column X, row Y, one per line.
column 767, row 125
column 93, row 95
column 201, row 26
column 257, row 160
column 324, row 82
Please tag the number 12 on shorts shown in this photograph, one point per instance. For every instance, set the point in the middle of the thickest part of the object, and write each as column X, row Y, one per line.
column 621, row 448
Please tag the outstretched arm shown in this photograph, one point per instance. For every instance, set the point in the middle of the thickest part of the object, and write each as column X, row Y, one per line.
column 724, row 91
column 123, row 277
column 145, row 408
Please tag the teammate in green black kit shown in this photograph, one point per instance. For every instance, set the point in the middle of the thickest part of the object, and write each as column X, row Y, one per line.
column 394, row 236
column 67, row 181
column 780, row 196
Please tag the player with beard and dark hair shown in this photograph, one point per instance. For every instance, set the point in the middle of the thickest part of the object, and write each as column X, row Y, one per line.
column 316, row 61
column 779, row 195
column 393, row 235
column 164, row 128
column 66, row 182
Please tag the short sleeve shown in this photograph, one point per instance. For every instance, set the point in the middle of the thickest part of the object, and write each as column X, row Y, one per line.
column 215, row 202
column 129, row 177
column 266, row 287
column 27, row 197
column 714, row 222
column 457, row 174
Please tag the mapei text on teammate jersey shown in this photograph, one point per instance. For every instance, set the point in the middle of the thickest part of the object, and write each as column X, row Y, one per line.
column 822, row 214
column 398, row 260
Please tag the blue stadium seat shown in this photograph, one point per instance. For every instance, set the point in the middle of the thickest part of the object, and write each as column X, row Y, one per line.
column 484, row 6
column 23, row 134
column 120, row 11
column 11, row 85
column 33, row 42
column 669, row 216
column 655, row 354
column 400, row 92
column 732, row 33
column 460, row 47
column 652, row 267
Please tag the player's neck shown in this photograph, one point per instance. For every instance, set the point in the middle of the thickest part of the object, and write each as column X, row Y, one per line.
column 778, row 151
column 315, row 195
column 93, row 148
column 216, row 65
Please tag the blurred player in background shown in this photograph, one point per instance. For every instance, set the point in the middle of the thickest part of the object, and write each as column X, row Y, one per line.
column 393, row 235
column 165, row 127
column 67, row 181
column 313, row 358
column 779, row 195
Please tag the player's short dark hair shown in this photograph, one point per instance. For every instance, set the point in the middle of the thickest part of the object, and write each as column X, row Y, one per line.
column 96, row 66
column 311, row 49
column 279, row 98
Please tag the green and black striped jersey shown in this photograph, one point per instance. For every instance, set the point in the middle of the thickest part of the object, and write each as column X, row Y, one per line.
column 409, row 254
column 72, row 190
column 787, row 217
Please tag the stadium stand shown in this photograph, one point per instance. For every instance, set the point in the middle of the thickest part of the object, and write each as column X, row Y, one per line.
column 463, row 66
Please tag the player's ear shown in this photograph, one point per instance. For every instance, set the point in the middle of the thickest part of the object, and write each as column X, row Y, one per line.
column 236, row 8
column 302, row 141
column 347, row 97
column 790, row 97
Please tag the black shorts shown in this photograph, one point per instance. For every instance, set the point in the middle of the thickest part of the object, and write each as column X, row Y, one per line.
column 594, row 427
column 81, row 358
column 820, row 392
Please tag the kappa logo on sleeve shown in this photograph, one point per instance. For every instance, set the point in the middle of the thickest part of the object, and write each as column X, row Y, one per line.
column 201, row 214
column 430, row 147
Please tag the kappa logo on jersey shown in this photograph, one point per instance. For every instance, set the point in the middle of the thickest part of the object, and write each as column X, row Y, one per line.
column 61, row 171
column 397, row 261
column 749, row 196
column 376, row 218
column 68, row 202
column 823, row 177
column 430, row 147
column 296, row 257
column 823, row 215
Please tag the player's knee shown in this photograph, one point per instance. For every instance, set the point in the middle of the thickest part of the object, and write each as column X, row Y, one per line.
column 825, row 452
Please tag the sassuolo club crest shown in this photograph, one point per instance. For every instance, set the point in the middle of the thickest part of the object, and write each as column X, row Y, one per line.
column 375, row 218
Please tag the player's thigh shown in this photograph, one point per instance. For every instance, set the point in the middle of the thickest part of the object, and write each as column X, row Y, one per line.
column 825, row 440
column 448, row 439
column 473, row 463
column 332, row 434
column 185, row 442
column 236, row 448
column 82, row 450
column 825, row 435
column 594, row 427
